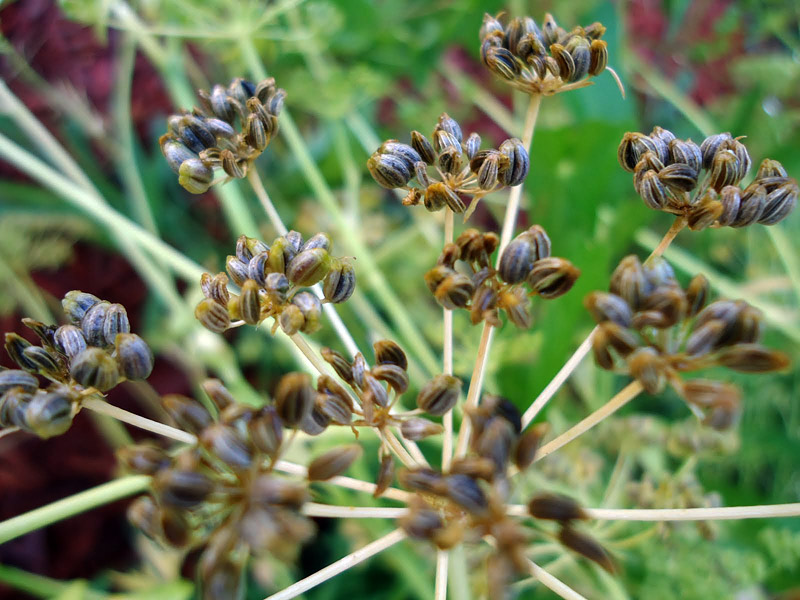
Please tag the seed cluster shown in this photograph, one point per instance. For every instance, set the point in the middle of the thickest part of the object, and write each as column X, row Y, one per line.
column 93, row 353
column 484, row 291
column 702, row 183
column 223, row 495
column 197, row 142
column 657, row 330
column 468, row 503
column 464, row 171
column 269, row 278
column 543, row 61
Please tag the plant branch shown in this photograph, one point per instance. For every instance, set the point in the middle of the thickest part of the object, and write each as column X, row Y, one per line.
column 104, row 408
column 442, row 563
column 72, row 505
column 677, row 225
column 447, row 355
column 345, row 482
column 312, row 509
column 764, row 511
column 341, row 565
column 552, row 583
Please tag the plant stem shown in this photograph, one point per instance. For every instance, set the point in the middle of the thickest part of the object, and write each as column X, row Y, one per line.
column 512, row 208
column 104, row 408
column 555, row 384
column 625, row 395
column 401, row 453
column 553, row 583
column 312, row 509
column 442, row 563
column 346, row 482
column 72, row 505
column 764, row 511
column 341, row 565
column 309, row 353
column 677, row 225
column 266, row 201
column 447, row 357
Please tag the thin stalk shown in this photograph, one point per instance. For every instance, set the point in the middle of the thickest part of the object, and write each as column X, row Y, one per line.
column 555, row 384
column 625, row 395
column 552, row 583
column 40, row 586
column 459, row 574
column 512, row 208
column 312, row 509
column 341, row 565
column 312, row 357
column 413, row 450
column 266, row 201
column 787, row 254
column 104, row 408
column 442, row 564
column 355, row 243
column 447, row 355
column 764, row 511
column 25, row 292
column 677, row 225
column 72, row 505
column 345, row 482
column 396, row 447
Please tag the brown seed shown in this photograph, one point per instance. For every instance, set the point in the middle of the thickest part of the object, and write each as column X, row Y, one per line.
column 388, row 352
column 228, row 445
column 95, row 368
column 396, row 377
column 467, row 493
column 385, row 475
column 646, row 365
column 516, row 303
column 333, row 463
column 187, row 413
column 528, row 444
column 422, row 480
column 181, row 489
column 556, row 507
column 416, row 429
column 266, row 430
column 753, row 358
column 439, row 395
column 212, row 315
column 454, row 291
column 339, row 363
column 628, row 281
column 598, row 57
column 608, row 307
column 218, row 393
column 552, row 277
column 586, row 546
column 421, row 522
column 294, row 398
column 476, row 467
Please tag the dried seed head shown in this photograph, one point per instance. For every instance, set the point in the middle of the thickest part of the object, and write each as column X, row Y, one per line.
column 212, row 315
column 95, row 368
column 556, row 507
column 294, row 398
column 552, row 277
column 439, row 395
column 333, row 463
column 134, row 356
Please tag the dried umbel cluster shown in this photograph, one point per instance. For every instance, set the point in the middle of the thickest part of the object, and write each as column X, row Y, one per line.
column 469, row 503
column 92, row 353
column 543, row 61
column 460, row 168
column 270, row 279
column 484, row 291
column 702, row 183
column 652, row 329
column 229, row 130
column 223, row 495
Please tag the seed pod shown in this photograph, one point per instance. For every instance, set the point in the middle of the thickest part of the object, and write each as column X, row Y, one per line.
column 339, row 363
column 555, row 507
column 250, row 303
column 518, row 257
column 416, row 429
column 187, row 413
column 586, row 546
column 779, row 203
column 215, row 287
column 686, row 152
column 724, row 170
column 422, row 479
column 552, row 277
column 116, row 322
column 516, row 304
column 334, row 409
column 333, row 463
column 448, row 124
column 652, row 190
column 710, row 145
column 266, row 430
column 374, row 392
column 495, row 442
column 76, row 303
column 385, row 475
column 670, row 302
column 388, row 352
column 41, row 361
column 528, row 444
column 389, row 170
column 146, row 517
column 753, row 358
column 226, row 444
column 294, row 398
column 515, row 172
column 628, row 281
column 311, row 309
column 95, row 368
column 466, row 492
column 423, row 147
column 752, row 205
column 15, row 347
column 455, row 291
column 439, row 395
column 421, row 523
column 175, row 152
column 487, row 174
column 15, row 378
column 740, row 150
column 678, row 177
column 145, row 459
column 632, row 148
column 647, row 366
column 402, row 151
column 608, row 307
column 93, row 323
column 720, row 401
column 309, row 267
column 194, row 176
column 484, row 306
column 180, row 488
column 501, row 62
column 12, row 408
column 579, row 49
column 212, row 316
column 438, row 195
column 474, row 466
column 623, row 340
column 134, row 357
column 566, row 64
column 598, row 57
column 340, row 282
column 49, row 414
column 730, row 197
column 395, row 376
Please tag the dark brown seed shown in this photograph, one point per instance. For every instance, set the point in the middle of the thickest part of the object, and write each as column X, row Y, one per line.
column 333, row 463
column 227, row 444
column 389, row 171
column 516, row 303
column 455, row 291
column 187, row 413
column 340, row 282
column 686, row 152
column 753, row 358
column 696, row 294
column 710, row 145
column 15, row 378
column 621, row 339
column 416, row 429
column 420, row 523
column 495, row 442
column 43, row 362
column 218, row 393
column 339, row 363
column 646, row 365
column 145, row 459
column 396, row 377
column 586, row 546
column 294, row 398
column 388, row 352
column 528, row 444
column 552, row 277
column 721, row 402
column 678, row 177
column 334, row 409
column 423, row 147
column 706, row 337
column 515, row 170
column 385, row 475
column 475, row 467
column 725, row 170
column 598, row 57
column 608, row 307
column 266, row 430
column 705, row 212
column 556, row 507
column 212, row 315
column 422, row 480
column 652, row 190
column 779, row 203
column 76, row 303
column 439, row 395
column 628, row 281
column 467, row 493
column 181, row 489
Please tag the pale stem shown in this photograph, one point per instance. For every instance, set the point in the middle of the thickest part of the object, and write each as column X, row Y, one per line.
column 447, row 355
column 72, row 505
column 309, row 353
column 266, row 201
column 554, row 584
column 674, row 230
column 555, row 384
column 478, row 372
column 442, row 563
column 345, row 482
column 401, row 453
column 312, row 509
column 765, row 511
column 625, row 395
column 341, row 565
column 103, row 407
column 414, row 450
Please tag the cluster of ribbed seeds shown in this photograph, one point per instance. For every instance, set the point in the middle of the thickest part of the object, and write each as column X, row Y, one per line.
column 468, row 503
column 269, row 278
column 543, row 61
column 484, row 291
column 91, row 354
column 702, row 183
column 206, row 138
column 658, row 330
column 223, row 494
column 463, row 169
